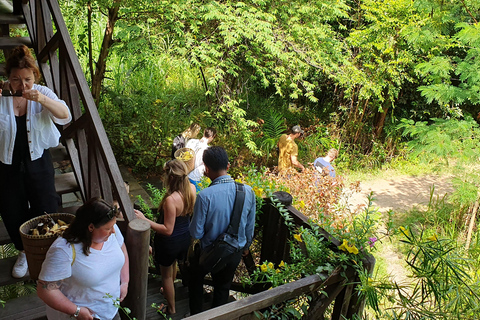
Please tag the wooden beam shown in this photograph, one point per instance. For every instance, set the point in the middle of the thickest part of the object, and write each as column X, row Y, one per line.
column 52, row 45
column 8, row 19
column 262, row 300
column 7, row 43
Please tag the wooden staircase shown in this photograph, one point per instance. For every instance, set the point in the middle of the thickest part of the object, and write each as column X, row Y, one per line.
column 85, row 150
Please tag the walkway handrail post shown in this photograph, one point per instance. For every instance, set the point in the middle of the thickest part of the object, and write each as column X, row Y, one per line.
column 137, row 242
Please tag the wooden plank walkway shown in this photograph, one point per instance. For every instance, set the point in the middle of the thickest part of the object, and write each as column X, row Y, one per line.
column 181, row 297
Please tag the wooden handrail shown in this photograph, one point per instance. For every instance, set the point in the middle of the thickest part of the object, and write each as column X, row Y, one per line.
column 337, row 288
column 261, row 300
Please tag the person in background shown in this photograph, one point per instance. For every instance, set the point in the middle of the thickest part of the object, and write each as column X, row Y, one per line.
column 172, row 237
column 324, row 165
column 199, row 146
column 88, row 261
column 28, row 114
column 181, row 140
column 211, row 217
column 289, row 150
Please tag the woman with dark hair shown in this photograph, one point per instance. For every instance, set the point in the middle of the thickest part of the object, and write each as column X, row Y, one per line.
column 172, row 237
column 28, row 114
column 88, row 262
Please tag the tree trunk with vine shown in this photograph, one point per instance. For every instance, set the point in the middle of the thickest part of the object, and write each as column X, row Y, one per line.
column 107, row 43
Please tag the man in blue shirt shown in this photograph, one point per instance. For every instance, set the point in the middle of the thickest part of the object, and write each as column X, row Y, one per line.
column 211, row 217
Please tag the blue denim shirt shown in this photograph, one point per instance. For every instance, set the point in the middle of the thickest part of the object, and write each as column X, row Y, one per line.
column 213, row 209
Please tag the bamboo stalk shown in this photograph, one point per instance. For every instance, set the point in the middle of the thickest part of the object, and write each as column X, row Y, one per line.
column 472, row 224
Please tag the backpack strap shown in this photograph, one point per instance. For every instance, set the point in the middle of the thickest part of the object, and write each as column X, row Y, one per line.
column 237, row 210
column 74, row 254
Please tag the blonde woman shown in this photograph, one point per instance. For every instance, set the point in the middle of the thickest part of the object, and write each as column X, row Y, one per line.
column 172, row 237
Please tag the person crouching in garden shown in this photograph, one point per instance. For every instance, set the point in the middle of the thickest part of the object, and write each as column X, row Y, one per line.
column 324, row 164
column 88, row 262
column 172, row 237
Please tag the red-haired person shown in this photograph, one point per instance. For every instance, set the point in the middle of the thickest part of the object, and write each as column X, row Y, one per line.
column 28, row 116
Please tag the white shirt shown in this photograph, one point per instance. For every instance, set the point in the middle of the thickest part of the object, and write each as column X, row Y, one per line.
column 199, row 146
column 41, row 130
column 89, row 279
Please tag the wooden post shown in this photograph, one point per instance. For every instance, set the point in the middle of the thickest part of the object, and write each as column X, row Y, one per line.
column 137, row 242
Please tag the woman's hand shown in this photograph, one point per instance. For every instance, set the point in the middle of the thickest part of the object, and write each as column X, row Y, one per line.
column 85, row 314
column 34, row 95
column 123, row 290
column 4, row 85
column 139, row 214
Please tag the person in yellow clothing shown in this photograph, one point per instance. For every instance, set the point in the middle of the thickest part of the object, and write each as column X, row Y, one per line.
column 289, row 150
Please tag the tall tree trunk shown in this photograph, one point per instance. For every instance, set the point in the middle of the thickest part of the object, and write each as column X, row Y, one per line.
column 107, row 42
column 380, row 122
column 89, row 32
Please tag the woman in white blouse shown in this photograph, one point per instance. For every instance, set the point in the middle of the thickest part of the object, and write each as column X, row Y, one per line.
column 28, row 114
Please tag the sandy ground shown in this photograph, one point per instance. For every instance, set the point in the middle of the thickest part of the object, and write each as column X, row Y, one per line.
column 400, row 194
column 403, row 192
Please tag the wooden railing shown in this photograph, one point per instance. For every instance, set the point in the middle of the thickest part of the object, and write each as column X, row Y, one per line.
column 337, row 289
column 91, row 155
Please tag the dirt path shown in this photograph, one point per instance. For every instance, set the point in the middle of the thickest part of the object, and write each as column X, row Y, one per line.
column 400, row 194
column 403, row 192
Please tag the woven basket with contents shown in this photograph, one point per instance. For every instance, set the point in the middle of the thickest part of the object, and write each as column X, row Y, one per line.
column 37, row 245
column 186, row 155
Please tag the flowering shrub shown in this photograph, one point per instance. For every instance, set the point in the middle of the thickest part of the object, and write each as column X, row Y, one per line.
column 310, row 253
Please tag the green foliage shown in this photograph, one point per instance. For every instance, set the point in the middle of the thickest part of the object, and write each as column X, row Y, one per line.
column 154, row 201
column 272, row 128
column 116, row 302
column 446, row 285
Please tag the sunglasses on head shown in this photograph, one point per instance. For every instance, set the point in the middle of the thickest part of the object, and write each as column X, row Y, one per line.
column 109, row 215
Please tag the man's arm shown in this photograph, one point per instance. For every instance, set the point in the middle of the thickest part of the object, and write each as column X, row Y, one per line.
column 198, row 220
column 296, row 163
column 250, row 226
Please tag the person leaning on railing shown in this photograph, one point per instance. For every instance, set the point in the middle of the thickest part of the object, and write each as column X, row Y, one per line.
column 28, row 114
column 86, row 270
column 172, row 237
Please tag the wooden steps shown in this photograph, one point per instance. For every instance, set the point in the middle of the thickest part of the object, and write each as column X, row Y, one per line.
column 181, row 299
column 8, row 19
column 66, row 183
column 16, row 309
column 7, row 43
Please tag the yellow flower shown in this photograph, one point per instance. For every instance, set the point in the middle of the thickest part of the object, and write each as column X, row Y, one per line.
column 298, row 237
column 238, row 180
column 258, row 191
column 343, row 246
column 348, row 248
column 200, row 184
column 278, row 271
column 264, row 267
column 404, row 231
column 282, row 264
column 352, row 249
column 302, row 204
column 433, row 238
column 270, row 265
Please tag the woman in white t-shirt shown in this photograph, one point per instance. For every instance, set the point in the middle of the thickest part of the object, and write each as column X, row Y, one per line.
column 87, row 268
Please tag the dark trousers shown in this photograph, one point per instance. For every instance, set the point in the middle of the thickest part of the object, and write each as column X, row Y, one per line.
column 27, row 190
column 222, row 280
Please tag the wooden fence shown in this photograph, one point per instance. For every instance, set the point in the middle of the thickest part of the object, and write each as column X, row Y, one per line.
column 334, row 296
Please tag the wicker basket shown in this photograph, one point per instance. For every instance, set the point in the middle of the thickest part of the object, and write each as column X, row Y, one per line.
column 190, row 163
column 36, row 247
